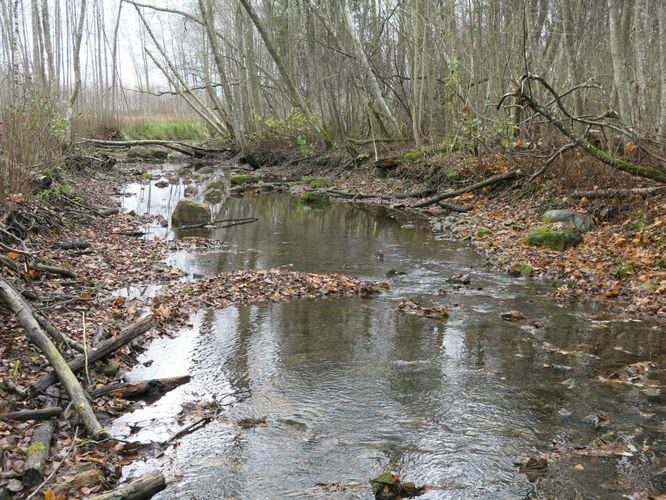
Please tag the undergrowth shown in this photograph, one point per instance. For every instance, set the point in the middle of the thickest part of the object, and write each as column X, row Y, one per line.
column 174, row 130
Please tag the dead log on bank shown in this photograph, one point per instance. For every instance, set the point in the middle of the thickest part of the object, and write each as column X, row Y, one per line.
column 74, row 245
column 145, row 487
column 454, row 208
column 473, row 187
column 142, row 388
column 37, row 454
column 360, row 196
column 103, row 350
column 40, row 414
column 17, row 304
column 610, row 193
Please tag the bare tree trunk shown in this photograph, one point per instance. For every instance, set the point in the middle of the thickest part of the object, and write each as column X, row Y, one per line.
column 294, row 94
column 661, row 8
column 618, row 49
column 76, row 62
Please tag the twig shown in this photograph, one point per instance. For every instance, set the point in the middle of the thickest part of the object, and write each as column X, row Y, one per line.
column 550, row 160
column 85, row 349
column 57, row 467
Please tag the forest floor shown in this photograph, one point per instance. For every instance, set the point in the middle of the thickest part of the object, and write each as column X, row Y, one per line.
column 617, row 262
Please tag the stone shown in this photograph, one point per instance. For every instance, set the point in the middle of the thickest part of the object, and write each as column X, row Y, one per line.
column 189, row 212
column 110, row 368
column 159, row 154
column 512, row 316
column 459, row 279
column 554, row 238
column 191, row 191
column 139, row 152
column 314, row 198
column 582, row 222
column 162, row 183
column 213, row 195
column 207, row 170
column 217, row 183
column 238, row 179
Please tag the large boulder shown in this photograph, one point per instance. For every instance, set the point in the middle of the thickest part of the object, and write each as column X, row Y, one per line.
column 139, row 152
column 213, row 195
column 554, row 237
column 217, row 183
column 190, row 212
column 582, row 222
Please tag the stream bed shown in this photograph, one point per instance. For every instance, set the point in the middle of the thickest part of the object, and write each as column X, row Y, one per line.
column 351, row 387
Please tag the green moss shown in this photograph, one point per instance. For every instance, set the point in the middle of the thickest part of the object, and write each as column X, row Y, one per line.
column 413, row 155
column 526, row 270
column 624, row 270
column 453, row 175
column 37, row 448
column 482, row 232
column 661, row 242
column 662, row 262
column 316, row 182
column 314, row 198
column 639, row 221
column 239, row 179
column 217, row 183
column 555, row 239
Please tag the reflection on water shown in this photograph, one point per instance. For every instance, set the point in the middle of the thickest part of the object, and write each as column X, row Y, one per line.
column 351, row 387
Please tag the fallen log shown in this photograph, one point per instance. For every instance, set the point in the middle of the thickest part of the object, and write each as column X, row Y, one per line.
column 105, row 212
column 40, row 414
column 103, row 350
column 145, row 487
column 142, row 388
column 73, row 245
column 90, row 477
column 610, row 193
column 454, row 208
column 56, row 334
column 473, row 187
column 67, row 273
column 17, row 304
column 37, row 454
column 179, row 146
column 403, row 196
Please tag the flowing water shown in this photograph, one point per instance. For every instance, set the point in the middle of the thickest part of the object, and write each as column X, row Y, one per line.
column 351, row 387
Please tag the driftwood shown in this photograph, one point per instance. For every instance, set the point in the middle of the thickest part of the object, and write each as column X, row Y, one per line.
column 610, row 193
column 473, row 187
column 37, row 454
column 103, row 350
column 190, row 428
column 142, row 388
column 17, row 304
column 145, row 487
column 23, row 415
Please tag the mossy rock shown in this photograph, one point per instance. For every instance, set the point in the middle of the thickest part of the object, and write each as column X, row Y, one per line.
column 316, row 182
column 392, row 273
column 207, row 170
column 522, row 269
column 189, row 212
column 139, row 152
column 582, row 222
column 213, row 195
column 110, row 368
column 314, row 198
column 483, row 232
column 239, row 179
column 555, row 239
column 413, row 155
column 217, row 183
column 159, row 154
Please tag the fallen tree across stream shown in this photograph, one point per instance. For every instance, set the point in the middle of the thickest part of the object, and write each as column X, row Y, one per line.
column 179, row 146
column 141, row 388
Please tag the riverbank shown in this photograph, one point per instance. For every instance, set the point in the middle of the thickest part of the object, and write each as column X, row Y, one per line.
column 620, row 261
column 121, row 276
column 99, row 259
